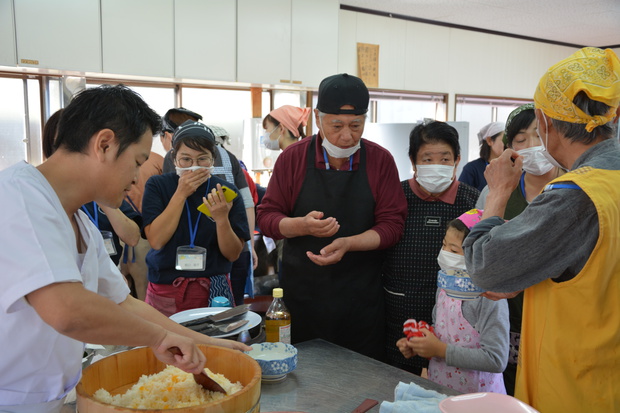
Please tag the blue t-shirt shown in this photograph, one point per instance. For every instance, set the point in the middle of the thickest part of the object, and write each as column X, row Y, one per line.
column 473, row 174
column 103, row 223
column 161, row 263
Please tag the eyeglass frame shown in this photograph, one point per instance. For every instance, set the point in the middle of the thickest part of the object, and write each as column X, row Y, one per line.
column 206, row 158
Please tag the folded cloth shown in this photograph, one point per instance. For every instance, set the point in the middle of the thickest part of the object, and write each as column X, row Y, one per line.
column 413, row 398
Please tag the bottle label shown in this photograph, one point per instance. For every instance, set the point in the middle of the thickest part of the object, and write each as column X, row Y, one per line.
column 285, row 334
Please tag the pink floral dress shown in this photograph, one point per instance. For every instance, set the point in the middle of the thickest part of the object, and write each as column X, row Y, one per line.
column 452, row 328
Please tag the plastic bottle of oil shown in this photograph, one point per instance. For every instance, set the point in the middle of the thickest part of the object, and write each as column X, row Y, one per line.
column 278, row 319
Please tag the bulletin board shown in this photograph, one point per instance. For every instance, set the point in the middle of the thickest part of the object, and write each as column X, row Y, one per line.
column 368, row 63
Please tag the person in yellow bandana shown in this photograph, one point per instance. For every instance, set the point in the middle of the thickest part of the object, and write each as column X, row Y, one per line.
column 565, row 246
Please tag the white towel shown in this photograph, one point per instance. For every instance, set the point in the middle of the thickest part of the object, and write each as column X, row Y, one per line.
column 413, row 398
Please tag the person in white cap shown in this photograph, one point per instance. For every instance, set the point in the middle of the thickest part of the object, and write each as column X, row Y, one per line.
column 491, row 146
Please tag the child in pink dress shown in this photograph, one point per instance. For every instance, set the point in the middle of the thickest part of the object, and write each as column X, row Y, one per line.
column 469, row 350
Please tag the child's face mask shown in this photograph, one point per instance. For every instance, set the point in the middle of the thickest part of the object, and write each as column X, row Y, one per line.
column 450, row 261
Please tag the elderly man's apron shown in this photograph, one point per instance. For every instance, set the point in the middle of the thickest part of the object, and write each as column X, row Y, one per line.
column 343, row 302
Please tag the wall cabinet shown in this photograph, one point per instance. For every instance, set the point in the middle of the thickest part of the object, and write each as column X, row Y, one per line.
column 60, row 34
column 205, row 39
column 291, row 42
column 138, row 37
column 8, row 56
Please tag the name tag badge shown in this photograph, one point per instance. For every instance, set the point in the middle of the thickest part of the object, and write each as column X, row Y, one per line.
column 108, row 241
column 432, row 221
column 191, row 259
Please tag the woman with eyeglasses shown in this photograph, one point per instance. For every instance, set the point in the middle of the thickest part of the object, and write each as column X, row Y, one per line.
column 191, row 252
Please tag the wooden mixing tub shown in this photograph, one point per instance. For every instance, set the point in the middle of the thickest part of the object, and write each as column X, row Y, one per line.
column 118, row 372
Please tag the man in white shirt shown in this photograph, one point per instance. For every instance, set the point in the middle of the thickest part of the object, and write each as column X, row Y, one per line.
column 59, row 287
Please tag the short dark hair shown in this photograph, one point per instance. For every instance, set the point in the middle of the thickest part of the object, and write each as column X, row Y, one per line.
column 521, row 121
column 50, row 131
column 577, row 132
column 117, row 108
column 458, row 225
column 433, row 132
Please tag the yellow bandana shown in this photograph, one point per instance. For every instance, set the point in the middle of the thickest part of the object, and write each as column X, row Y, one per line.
column 593, row 70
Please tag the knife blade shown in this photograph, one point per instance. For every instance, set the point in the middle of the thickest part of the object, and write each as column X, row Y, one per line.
column 226, row 328
column 222, row 316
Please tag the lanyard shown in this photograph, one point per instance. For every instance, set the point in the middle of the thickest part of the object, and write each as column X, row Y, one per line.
column 192, row 233
column 523, row 185
column 135, row 208
column 327, row 161
column 94, row 220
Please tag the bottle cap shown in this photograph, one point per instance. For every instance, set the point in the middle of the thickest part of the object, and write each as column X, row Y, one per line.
column 220, row 302
column 278, row 293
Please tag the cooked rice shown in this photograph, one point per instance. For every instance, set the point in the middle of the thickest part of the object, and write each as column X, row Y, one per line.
column 169, row 389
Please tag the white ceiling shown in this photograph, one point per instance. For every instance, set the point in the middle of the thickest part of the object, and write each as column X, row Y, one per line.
column 573, row 22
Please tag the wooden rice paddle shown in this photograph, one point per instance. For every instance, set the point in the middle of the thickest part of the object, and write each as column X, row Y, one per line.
column 205, row 381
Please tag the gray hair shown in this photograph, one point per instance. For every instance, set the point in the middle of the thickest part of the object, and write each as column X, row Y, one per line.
column 577, row 132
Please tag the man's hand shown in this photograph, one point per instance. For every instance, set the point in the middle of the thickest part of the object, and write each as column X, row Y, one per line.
column 315, row 225
column 192, row 359
column 332, row 253
column 502, row 175
column 504, row 172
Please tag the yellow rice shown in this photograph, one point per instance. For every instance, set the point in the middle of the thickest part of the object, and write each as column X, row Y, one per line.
column 169, row 389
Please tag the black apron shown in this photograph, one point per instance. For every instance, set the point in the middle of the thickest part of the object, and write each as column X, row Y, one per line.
column 343, row 302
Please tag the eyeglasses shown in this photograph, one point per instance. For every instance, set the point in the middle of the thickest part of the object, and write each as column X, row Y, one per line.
column 186, row 162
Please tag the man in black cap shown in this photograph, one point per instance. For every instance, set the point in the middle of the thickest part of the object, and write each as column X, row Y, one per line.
column 336, row 200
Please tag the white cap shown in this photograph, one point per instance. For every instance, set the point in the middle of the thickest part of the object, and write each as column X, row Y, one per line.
column 491, row 129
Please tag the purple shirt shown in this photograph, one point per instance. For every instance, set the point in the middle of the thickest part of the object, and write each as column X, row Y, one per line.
column 288, row 177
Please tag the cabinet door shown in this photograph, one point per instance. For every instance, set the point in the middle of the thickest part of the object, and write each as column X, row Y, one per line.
column 314, row 41
column 8, row 56
column 205, row 39
column 61, row 34
column 138, row 37
column 264, row 41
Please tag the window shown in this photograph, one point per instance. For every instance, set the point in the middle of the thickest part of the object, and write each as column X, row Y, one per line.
column 393, row 107
column 20, row 121
column 160, row 99
column 480, row 111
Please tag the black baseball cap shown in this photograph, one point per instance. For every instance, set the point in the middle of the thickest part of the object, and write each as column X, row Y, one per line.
column 343, row 89
column 168, row 125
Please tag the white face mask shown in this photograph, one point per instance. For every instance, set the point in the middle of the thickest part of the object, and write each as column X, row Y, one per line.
column 181, row 171
column 333, row 150
column 545, row 152
column 434, row 178
column 534, row 161
column 450, row 261
column 271, row 144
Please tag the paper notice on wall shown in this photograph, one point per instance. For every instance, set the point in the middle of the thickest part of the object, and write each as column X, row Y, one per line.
column 368, row 63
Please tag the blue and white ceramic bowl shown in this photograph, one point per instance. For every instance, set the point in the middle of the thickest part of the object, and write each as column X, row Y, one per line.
column 275, row 359
column 457, row 284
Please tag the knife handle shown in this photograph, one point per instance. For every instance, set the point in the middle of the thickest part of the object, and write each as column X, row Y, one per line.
column 365, row 406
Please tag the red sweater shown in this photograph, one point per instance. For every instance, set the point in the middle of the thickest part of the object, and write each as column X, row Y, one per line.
column 289, row 173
